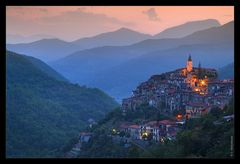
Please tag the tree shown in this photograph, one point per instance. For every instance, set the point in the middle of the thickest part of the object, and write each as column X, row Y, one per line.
column 122, row 133
column 216, row 112
column 134, row 152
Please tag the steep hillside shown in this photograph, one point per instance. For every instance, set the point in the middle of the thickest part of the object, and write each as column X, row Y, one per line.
column 45, row 49
column 45, row 68
column 226, row 72
column 43, row 113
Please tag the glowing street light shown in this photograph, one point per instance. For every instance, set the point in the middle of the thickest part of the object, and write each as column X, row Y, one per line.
column 114, row 131
column 196, row 89
column 162, row 140
column 145, row 134
column 179, row 116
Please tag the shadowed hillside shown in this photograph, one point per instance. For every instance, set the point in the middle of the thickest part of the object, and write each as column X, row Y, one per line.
column 44, row 113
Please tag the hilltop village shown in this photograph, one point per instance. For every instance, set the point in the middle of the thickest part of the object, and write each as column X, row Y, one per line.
column 183, row 94
column 194, row 90
column 191, row 92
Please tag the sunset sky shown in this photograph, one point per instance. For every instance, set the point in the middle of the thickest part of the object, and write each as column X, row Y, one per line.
column 70, row 23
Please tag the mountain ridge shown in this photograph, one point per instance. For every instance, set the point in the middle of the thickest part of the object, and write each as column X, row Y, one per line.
column 44, row 49
column 187, row 28
column 215, row 43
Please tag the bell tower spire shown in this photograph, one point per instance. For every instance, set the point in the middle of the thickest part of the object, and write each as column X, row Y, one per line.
column 189, row 64
column 189, row 58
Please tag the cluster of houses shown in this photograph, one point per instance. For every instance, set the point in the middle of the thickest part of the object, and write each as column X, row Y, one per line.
column 194, row 90
column 154, row 130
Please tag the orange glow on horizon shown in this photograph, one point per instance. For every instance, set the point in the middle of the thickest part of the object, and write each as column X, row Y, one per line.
column 56, row 20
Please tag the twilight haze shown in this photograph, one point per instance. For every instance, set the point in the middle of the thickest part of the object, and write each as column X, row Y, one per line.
column 73, row 22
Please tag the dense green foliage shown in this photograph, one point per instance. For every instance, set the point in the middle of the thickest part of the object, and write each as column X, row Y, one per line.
column 46, row 69
column 199, row 138
column 102, row 145
column 43, row 112
column 145, row 113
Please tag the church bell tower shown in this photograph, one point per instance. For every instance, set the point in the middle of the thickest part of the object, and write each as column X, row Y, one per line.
column 189, row 64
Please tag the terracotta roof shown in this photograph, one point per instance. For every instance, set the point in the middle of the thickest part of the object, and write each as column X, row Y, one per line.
column 152, row 123
column 157, row 123
column 167, row 122
column 173, row 133
column 163, row 81
column 196, row 104
column 85, row 134
column 134, row 126
column 171, row 91
column 125, row 125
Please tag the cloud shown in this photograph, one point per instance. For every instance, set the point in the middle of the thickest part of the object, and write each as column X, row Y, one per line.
column 16, row 10
column 152, row 14
column 81, row 9
column 227, row 15
column 43, row 10
column 81, row 16
column 69, row 25
column 26, row 11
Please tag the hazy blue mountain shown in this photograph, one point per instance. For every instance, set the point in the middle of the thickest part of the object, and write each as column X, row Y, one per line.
column 43, row 113
column 226, row 72
column 45, row 49
column 214, row 48
column 120, row 37
column 187, row 28
column 224, row 33
column 53, row 49
column 45, row 68
column 15, row 38
column 118, row 69
column 84, row 65
column 120, row 80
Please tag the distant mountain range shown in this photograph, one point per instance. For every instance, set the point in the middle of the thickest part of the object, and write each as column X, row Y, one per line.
column 120, row 37
column 118, row 69
column 187, row 28
column 45, row 49
column 53, row 49
column 15, row 39
column 43, row 111
column 117, row 61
